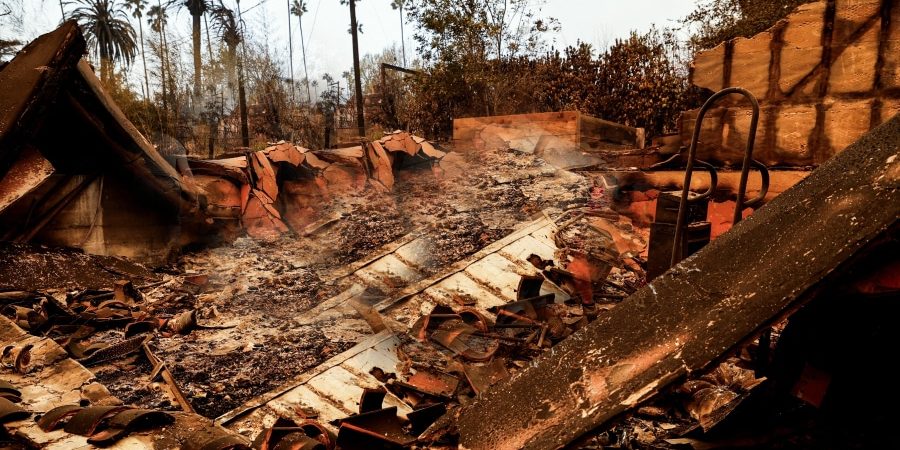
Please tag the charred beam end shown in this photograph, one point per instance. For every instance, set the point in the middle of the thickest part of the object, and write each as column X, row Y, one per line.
column 386, row 66
column 692, row 315
column 31, row 82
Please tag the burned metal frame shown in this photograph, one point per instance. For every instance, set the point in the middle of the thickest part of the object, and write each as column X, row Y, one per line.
column 748, row 161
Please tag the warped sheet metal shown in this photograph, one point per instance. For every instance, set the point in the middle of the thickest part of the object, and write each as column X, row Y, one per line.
column 53, row 380
column 333, row 389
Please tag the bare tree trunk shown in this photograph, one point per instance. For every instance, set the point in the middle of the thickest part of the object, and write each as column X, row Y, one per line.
column 498, row 17
column 208, row 38
column 402, row 36
column 500, row 31
column 144, row 60
column 168, row 80
column 214, row 119
column 162, row 74
column 197, row 60
column 242, row 100
column 242, row 94
column 104, row 69
column 162, row 61
column 291, row 50
column 305, row 72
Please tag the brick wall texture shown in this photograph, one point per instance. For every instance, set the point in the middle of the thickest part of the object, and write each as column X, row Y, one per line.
column 824, row 76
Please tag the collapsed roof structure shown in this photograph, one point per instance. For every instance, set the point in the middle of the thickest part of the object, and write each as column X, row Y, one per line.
column 82, row 175
column 60, row 135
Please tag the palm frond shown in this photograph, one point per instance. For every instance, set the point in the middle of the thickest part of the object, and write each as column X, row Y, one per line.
column 107, row 30
column 225, row 24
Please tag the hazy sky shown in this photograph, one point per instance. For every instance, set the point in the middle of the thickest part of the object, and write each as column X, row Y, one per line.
column 325, row 26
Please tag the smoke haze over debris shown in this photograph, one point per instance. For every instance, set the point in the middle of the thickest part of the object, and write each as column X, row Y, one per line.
column 598, row 22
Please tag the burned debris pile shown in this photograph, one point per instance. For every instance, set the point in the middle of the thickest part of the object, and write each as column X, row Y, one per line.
column 444, row 341
column 47, row 400
column 687, row 319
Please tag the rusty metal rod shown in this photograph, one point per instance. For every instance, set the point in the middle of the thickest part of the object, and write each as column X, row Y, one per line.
column 161, row 369
column 763, row 190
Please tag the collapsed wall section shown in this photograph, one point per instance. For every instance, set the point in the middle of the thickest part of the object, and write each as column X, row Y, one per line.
column 565, row 139
column 825, row 75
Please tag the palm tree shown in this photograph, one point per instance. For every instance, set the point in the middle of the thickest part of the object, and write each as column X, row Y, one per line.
column 398, row 4
column 196, row 8
column 228, row 28
column 157, row 18
column 298, row 8
column 108, row 32
column 137, row 11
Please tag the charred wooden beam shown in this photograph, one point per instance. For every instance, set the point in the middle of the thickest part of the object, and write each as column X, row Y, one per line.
column 132, row 149
column 30, row 83
column 386, row 66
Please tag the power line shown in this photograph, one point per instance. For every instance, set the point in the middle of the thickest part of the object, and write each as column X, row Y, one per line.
column 254, row 6
column 380, row 22
column 313, row 29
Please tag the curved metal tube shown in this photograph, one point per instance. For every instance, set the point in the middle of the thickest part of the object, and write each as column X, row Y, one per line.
column 692, row 153
column 763, row 190
column 713, row 181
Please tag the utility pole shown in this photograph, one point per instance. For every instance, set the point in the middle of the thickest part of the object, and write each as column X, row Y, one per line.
column 402, row 34
column 242, row 95
column 360, row 118
column 63, row 11
column 402, row 37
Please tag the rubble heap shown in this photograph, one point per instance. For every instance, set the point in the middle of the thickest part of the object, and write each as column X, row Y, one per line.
column 116, row 195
